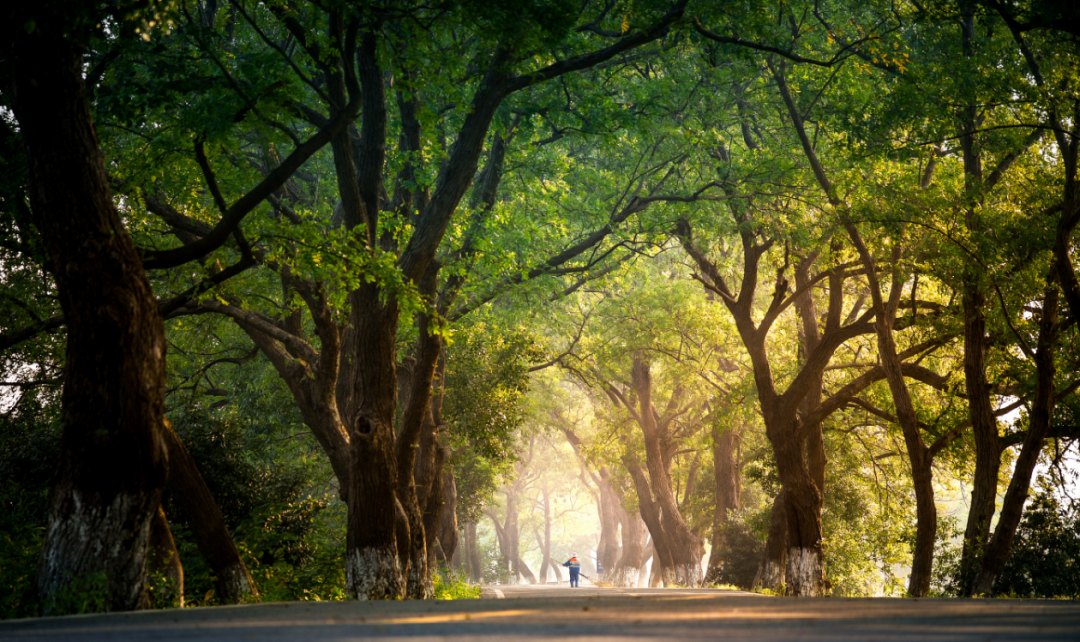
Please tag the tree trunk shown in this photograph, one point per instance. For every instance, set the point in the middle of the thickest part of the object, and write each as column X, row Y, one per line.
column 525, row 572
column 607, row 551
column 728, row 478
column 985, row 431
column 513, row 538
column 164, row 559
column 676, row 544
column 805, row 572
column 504, row 550
column 113, row 462
column 922, row 562
column 980, row 405
column 373, row 569
column 545, row 541
column 1042, row 407
column 472, row 554
column 650, row 514
column 189, row 491
column 447, row 531
column 435, row 504
column 772, row 571
column 634, row 536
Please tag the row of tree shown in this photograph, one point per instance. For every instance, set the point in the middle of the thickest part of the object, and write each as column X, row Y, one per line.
column 865, row 193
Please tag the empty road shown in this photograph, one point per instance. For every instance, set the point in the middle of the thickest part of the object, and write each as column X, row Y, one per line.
column 588, row 613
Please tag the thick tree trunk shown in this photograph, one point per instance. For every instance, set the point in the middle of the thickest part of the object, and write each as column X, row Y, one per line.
column 634, row 536
column 373, row 569
column 189, row 491
column 419, row 456
column 805, row 573
column 985, row 431
column 434, row 505
column 728, row 480
column 113, row 461
column 772, row 571
column 164, row 559
column 607, row 551
column 650, row 514
column 447, row 531
column 922, row 559
column 472, row 554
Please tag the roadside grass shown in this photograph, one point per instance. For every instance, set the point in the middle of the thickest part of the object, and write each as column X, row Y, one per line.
column 451, row 586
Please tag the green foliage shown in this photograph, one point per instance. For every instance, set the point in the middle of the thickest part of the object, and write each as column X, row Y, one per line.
column 29, row 452
column 87, row 594
column 1045, row 559
column 290, row 533
column 945, row 581
column 162, row 591
column 484, row 404
column 686, row 116
column 449, row 585
column 743, row 539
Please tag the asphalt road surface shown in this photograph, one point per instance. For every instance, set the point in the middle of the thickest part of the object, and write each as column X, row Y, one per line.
column 588, row 613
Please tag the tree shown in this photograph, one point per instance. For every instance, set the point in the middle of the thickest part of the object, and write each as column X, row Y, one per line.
column 113, row 459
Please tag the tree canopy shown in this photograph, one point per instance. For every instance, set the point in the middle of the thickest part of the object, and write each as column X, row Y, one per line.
column 329, row 296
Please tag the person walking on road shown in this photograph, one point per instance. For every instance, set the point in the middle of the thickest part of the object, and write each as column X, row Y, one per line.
column 575, row 569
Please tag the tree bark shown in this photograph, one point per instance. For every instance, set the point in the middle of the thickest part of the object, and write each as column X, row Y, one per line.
column 189, row 490
column 634, row 536
column 728, row 480
column 373, row 569
column 607, row 551
column 772, row 571
column 113, row 462
column 164, row 559
column 447, row 531
column 472, row 554
column 680, row 549
column 1042, row 407
column 980, row 405
column 922, row 562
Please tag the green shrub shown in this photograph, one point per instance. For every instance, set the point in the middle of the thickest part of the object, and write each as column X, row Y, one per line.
column 449, row 585
column 1045, row 559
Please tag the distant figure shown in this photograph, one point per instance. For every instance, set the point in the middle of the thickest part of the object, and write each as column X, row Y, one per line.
column 599, row 568
column 575, row 568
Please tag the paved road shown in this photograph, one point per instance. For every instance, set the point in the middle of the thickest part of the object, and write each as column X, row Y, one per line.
column 594, row 614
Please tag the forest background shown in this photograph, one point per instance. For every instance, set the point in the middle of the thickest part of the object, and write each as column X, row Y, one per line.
column 308, row 300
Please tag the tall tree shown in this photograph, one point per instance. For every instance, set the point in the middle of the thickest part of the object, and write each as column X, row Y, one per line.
column 113, row 460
